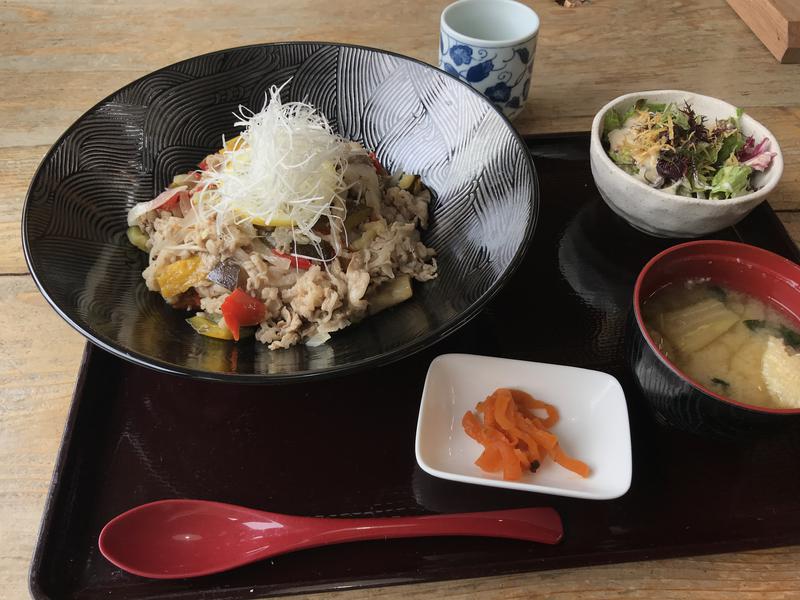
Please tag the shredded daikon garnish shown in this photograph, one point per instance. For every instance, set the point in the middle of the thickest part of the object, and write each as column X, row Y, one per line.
column 285, row 170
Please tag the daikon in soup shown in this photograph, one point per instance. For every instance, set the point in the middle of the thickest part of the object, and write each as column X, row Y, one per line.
column 728, row 342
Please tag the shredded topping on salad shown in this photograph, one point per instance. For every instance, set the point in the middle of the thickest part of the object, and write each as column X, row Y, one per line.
column 672, row 148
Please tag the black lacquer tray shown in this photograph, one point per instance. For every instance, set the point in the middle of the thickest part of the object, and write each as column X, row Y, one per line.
column 344, row 447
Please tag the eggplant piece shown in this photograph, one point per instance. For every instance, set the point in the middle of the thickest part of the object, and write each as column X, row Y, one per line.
column 323, row 225
column 325, row 252
column 188, row 300
column 356, row 216
column 390, row 293
column 229, row 275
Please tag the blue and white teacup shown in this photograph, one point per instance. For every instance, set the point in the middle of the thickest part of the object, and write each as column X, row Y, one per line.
column 490, row 44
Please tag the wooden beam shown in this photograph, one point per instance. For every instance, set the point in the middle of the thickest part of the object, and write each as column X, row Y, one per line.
column 776, row 23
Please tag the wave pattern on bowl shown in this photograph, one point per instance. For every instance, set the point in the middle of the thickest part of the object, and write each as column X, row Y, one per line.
column 128, row 147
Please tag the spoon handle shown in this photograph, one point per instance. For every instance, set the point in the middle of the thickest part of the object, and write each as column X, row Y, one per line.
column 532, row 524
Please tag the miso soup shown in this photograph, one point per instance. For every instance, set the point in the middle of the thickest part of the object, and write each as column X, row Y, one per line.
column 728, row 342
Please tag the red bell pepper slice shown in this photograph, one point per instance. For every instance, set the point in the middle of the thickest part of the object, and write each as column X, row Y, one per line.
column 203, row 165
column 377, row 164
column 166, row 200
column 240, row 310
column 171, row 202
column 295, row 261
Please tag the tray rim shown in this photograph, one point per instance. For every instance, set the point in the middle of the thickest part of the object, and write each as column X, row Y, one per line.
column 56, row 481
column 90, row 355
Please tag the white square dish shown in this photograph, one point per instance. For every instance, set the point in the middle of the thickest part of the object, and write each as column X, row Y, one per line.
column 593, row 426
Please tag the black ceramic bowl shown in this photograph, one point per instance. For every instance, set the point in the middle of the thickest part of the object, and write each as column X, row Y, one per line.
column 674, row 398
column 128, row 147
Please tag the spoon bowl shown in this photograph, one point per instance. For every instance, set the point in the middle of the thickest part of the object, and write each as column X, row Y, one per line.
column 172, row 539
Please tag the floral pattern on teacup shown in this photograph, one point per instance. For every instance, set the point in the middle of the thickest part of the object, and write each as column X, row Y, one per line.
column 502, row 74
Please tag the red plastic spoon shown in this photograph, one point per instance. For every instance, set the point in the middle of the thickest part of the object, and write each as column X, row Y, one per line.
column 172, row 539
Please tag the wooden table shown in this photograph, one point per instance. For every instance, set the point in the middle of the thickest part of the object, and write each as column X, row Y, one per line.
column 57, row 59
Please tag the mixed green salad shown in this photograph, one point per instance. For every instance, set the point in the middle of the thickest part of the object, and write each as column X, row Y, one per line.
column 671, row 148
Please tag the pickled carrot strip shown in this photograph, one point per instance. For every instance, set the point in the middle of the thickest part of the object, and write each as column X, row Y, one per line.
column 490, row 460
column 568, row 462
column 530, row 402
column 514, row 438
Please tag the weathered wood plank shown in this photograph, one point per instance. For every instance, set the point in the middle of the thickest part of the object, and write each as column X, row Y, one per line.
column 57, row 59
